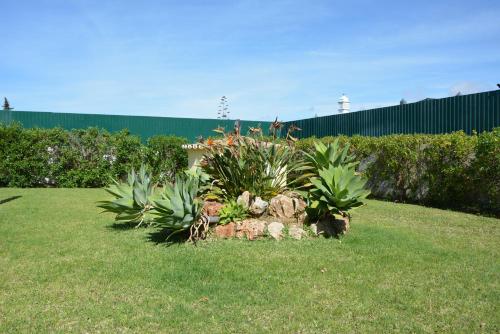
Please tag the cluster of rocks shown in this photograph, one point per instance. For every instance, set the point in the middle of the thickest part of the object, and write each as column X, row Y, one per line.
column 286, row 206
column 283, row 216
column 253, row 229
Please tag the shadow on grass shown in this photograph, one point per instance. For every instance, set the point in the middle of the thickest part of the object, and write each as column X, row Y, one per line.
column 157, row 236
column 168, row 237
column 8, row 199
column 122, row 226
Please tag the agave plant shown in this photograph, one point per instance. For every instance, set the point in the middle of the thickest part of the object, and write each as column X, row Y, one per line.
column 179, row 208
column 325, row 156
column 336, row 190
column 198, row 173
column 133, row 200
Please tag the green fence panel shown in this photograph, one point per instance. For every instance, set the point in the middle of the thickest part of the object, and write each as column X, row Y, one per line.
column 143, row 126
column 475, row 112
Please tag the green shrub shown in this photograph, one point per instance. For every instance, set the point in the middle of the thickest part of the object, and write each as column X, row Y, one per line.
column 166, row 157
column 82, row 158
column 232, row 212
column 486, row 167
column 448, row 170
column 28, row 158
column 93, row 157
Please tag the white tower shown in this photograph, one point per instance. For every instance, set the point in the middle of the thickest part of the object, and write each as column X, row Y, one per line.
column 344, row 104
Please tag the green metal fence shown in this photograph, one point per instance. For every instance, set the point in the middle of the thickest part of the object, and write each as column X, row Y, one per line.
column 474, row 112
column 143, row 126
column 479, row 112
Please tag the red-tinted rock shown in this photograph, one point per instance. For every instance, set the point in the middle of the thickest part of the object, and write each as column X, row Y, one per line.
column 212, row 208
column 225, row 231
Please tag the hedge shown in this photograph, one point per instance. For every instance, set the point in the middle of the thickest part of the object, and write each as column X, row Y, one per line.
column 454, row 170
column 82, row 158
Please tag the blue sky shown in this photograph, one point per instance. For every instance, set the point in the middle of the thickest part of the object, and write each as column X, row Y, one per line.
column 285, row 58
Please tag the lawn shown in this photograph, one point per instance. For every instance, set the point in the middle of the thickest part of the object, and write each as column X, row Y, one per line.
column 403, row 268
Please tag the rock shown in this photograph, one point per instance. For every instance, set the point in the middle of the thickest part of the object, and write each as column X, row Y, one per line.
column 250, row 228
column 342, row 225
column 299, row 205
column 212, row 208
column 244, row 199
column 296, row 232
column 301, row 218
column 225, row 231
column 324, row 227
column 281, row 206
column 331, row 227
column 275, row 230
column 258, row 207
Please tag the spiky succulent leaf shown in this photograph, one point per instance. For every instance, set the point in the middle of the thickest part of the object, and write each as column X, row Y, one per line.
column 133, row 200
column 324, row 156
column 179, row 206
column 336, row 190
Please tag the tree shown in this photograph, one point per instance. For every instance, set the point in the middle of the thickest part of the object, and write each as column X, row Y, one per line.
column 6, row 105
column 223, row 112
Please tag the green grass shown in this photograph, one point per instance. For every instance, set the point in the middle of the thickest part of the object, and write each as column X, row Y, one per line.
column 402, row 268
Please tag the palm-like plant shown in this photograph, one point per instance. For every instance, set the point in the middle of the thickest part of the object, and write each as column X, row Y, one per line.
column 251, row 165
column 336, row 190
column 133, row 199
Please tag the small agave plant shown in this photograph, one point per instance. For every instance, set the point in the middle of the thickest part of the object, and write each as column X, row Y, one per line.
column 133, row 200
column 324, row 156
column 336, row 190
column 179, row 209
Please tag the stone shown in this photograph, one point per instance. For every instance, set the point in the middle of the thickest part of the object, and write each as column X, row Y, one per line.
column 331, row 226
column 258, row 207
column 245, row 199
column 299, row 205
column 302, row 218
column 275, row 230
column 342, row 225
column 212, row 208
column 296, row 232
column 225, row 231
column 250, row 228
column 282, row 206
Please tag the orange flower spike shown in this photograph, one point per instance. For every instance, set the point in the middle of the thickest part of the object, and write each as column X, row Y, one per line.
column 210, row 142
column 230, row 140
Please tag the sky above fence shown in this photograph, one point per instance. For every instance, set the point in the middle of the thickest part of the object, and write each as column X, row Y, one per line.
column 291, row 59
